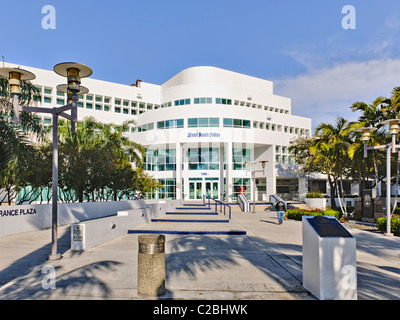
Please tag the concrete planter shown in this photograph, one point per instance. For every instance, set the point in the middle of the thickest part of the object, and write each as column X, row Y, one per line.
column 316, row 203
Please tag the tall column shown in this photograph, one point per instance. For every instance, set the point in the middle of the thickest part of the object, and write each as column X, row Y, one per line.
column 221, row 184
column 178, row 175
column 228, row 172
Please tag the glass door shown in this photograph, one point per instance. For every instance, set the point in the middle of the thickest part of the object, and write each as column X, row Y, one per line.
column 195, row 190
column 215, row 189
column 211, row 188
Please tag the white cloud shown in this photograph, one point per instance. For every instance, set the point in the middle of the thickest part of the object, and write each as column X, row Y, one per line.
column 323, row 94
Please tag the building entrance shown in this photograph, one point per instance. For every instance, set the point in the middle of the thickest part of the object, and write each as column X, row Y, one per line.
column 200, row 186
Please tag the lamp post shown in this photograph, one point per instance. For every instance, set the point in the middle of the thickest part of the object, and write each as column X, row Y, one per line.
column 74, row 72
column 253, row 178
column 390, row 148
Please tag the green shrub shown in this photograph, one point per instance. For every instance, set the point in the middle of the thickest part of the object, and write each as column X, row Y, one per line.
column 314, row 195
column 394, row 224
column 296, row 214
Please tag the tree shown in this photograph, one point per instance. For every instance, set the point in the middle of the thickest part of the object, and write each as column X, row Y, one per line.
column 96, row 160
column 371, row 115
column 16, row 140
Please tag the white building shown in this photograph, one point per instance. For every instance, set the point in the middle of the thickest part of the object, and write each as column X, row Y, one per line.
column 199, row 129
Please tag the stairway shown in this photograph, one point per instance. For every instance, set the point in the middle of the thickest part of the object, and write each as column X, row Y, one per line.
column 191, row 219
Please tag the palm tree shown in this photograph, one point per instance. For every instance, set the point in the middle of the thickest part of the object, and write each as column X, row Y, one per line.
column 371, row 115
column 16, row 141
column 97, row 159
column 331, row 146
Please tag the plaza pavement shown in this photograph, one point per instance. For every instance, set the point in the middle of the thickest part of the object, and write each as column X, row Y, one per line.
column 266, row 263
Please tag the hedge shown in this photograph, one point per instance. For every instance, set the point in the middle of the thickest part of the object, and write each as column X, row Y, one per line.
column 394, row 224
column 296, row 214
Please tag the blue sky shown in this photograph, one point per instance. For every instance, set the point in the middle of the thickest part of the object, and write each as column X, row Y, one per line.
column 300, row 45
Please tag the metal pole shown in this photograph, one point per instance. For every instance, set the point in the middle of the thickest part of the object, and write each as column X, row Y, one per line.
column 54, row 255
column 388, row 151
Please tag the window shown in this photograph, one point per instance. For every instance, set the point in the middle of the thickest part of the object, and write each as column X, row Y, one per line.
column 60, row 93
column 89, row 105
column 125, row 111
column 228, row 122
column 239, row 157
column 168, row 189
column 117, row 102
column 99, row 99
column 223, row 101
column 160, row 160
column 98, row 107
column 47, row 99
column 203, row 158
column 170, row 124
column 237, row 123
column 106, row 108
column 181, row 102
column 47, row 90
column 60, row 101
column 117, row 109
column 202, row 100
column 146, row 127
column 89, row 98
column 241, row 186
column 203, row 122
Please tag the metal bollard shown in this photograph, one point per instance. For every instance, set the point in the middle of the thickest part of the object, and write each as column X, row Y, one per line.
column 151, row 265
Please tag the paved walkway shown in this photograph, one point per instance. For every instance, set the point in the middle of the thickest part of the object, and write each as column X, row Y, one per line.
column 263, row 264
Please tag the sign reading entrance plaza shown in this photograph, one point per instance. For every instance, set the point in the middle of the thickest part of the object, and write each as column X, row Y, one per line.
column 17, row 212
column 203, row 134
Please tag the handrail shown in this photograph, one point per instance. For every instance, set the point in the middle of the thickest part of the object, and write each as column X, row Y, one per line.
column 216, row 203
column 243, row 203
column 274, row 198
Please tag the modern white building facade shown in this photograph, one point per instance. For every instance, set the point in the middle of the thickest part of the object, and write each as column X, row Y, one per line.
column 200, row 128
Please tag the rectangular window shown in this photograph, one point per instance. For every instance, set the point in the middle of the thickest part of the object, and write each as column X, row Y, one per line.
column 98, row 107
column 47, row 91
column 60, row 102
column 192, row 122
column 106, row 108
column 228, row 122
column 89, row 105
column 203, row 158
column 47, row 99
column 117, row 109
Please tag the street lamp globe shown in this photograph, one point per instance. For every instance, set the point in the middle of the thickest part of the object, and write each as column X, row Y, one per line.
column 74, row 72
column 15, row 76
column 366, row 132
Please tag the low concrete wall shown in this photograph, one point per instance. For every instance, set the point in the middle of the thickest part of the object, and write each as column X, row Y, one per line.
column 24, row 218
column 87, row 234
column 316, row 203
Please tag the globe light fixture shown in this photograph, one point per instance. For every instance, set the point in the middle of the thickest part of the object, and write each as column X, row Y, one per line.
column 366, row 132
column 15, row 76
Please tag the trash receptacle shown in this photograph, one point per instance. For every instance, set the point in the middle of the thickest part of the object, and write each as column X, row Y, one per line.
column 151, row 265
column 329, row 259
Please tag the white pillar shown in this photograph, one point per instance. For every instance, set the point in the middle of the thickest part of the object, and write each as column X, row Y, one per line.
column 178, row 176
column 221, row 172
column 228, row 175
column 303, row 188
